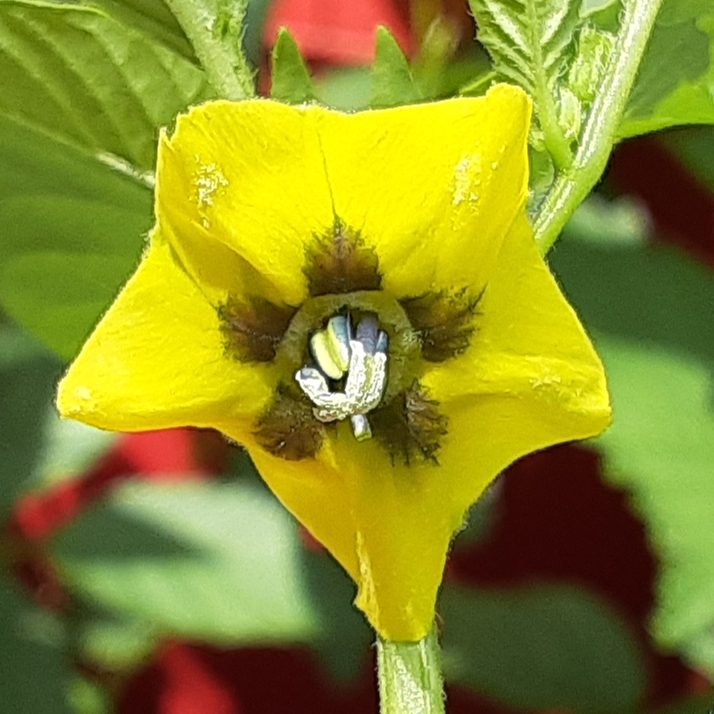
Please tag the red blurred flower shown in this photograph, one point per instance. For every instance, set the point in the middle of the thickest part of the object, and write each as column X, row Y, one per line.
column 339, row 32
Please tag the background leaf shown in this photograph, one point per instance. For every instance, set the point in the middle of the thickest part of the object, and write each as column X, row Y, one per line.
column 291, row 81
column 519, row 647
column 73, row 231
column 69, row 449
column 603, row 14
column 694, row 147
column 345, row 638
column 675, row 83
column 28, row 374
column 650, row 309
column 529, row 40
column 84, row 78
column 35, row 675
column 152, row 17
column 84, row 99
column 392, row 80
column 212, row 561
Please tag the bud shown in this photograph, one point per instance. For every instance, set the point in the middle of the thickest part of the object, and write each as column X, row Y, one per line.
column 570, row 114
column 594, row 50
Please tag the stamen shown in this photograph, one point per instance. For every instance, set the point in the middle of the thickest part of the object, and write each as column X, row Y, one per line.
column 330, row 347
column 366, row 371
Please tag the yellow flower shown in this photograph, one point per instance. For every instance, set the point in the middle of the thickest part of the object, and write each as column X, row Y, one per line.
column 406, row 225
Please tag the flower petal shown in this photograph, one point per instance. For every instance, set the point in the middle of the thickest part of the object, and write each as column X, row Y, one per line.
column 157, row 359
column 251, row 176
column 529, row 351
column 388, row 525
column 432, row 188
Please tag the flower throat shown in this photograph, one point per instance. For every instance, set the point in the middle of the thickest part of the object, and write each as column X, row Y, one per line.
column 352, row 351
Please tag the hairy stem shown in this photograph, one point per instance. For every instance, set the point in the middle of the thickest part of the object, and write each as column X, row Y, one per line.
column 409, row 674
column 555, row 141
column 573, row 184
column 215, row 29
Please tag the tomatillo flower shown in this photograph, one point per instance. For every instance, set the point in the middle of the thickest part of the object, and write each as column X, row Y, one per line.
column 358, row 300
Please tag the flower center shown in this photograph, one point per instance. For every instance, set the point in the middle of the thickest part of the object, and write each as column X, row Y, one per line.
column 349, row 374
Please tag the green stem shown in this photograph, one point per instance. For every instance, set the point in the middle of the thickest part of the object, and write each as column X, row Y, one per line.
column 573, row 184
column 555, row 141
column 215, row 29
column 409, row 674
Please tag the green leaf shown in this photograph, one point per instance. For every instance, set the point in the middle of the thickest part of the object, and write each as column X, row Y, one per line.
column 675, row 83
column 619, row 221
column 89, row 697
column 541, row 647
column 694, row 147
column 650, row 310
column 153, row 18
column 60, row 263
column 72, row 233
column 116, row 645
column 345, row 637
column 69, row 449
column 35, row 677
column 529, row 40
column 700, row 650
column 392, row 80
column 604, row 15
column 480, row 85
column 531, row 44
column 345, row 88
column 202, row 560
column 291, row 81
column 83, row 78
column 27, row 385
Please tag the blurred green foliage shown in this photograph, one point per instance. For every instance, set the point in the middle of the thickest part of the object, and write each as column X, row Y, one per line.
column 647, row 308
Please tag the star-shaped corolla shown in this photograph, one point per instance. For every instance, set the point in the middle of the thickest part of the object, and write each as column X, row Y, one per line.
column 296, row 250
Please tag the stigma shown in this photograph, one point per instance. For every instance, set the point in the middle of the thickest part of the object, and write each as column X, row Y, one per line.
column 348, row 375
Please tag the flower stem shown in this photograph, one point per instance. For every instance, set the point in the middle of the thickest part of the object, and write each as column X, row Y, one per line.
column 215, row 29
column 409, row 674
column 574, row 183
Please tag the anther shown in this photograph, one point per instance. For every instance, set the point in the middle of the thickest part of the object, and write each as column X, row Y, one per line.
column 331, row 347
column 363, row 359
column 360, row 427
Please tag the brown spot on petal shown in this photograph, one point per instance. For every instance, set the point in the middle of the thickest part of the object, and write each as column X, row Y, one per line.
column 443, row 322
column 341, row 263
column 410, row 425
column 288, row 428
column 253, row 328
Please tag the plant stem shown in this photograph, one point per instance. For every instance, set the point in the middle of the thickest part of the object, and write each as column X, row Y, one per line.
column 215, row 29
column 573, row 184
column 555, row 141
column 409, row 674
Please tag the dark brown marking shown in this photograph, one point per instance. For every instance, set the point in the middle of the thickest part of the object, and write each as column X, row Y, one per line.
column 253, row 328
column 443, row 322
column 288, row 428
column 341, row 263
column 410, row 426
